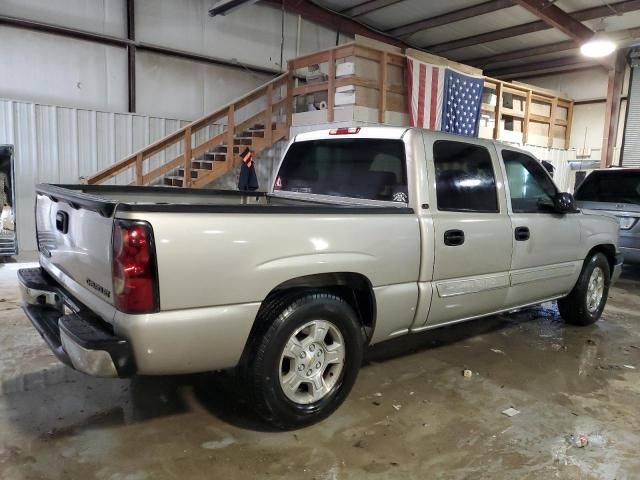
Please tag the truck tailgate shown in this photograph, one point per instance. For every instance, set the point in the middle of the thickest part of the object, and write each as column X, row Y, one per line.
column 77, row 243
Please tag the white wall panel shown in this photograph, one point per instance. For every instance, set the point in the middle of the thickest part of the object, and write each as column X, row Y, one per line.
column 98, row 16
column 60, row 145
column 580, row 85
column 187, row 89
column 251, row 34
column 53, row 69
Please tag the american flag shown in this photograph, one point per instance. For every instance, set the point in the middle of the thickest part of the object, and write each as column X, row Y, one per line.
column 442, row 98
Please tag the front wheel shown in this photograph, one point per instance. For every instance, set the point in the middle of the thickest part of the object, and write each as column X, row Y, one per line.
column 585, row 303
column 304, row 365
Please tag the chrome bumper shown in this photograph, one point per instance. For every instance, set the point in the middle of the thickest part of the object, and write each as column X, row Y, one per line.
column 80, row 339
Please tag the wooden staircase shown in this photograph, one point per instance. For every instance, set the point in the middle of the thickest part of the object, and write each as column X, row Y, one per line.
column 204, row 150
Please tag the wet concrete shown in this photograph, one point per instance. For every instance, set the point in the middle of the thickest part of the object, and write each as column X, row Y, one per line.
column 411, row 415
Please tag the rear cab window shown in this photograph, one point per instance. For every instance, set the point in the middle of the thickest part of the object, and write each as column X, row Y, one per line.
column 370, row 169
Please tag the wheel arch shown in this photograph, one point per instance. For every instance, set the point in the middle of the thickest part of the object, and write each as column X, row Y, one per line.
column 354, row 288
column 608, row 250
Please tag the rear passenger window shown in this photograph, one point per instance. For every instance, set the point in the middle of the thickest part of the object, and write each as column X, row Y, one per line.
column 465, row 180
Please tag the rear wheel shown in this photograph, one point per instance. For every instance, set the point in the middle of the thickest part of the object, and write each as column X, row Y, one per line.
column 585, row 303
column 303, row 364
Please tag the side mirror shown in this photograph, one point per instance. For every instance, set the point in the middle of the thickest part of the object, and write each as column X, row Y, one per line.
column 564, row 203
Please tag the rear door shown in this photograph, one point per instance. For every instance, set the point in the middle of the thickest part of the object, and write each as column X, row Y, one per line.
column 472, row 251
column 545, row 243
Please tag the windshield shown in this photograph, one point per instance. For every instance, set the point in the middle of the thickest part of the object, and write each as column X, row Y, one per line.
column 617, row 186
column 358, row 168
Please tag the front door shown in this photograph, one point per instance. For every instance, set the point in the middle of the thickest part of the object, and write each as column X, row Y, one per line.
column 545, row 243
column 472, row 251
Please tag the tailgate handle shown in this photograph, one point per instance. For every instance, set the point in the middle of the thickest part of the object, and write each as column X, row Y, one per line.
column 62, row 221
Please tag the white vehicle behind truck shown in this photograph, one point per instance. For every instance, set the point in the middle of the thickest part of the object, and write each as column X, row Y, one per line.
column 368, row 234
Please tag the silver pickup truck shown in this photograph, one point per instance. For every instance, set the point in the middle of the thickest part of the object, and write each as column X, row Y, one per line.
column 367, row 234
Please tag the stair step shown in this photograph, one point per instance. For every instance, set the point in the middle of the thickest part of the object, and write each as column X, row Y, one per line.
column 260, row 126
column 223, row 149
column 194, row 172
column 243, row 141
column 251, row 133
column 203, row 165
column 173, row 180
column 215, row 156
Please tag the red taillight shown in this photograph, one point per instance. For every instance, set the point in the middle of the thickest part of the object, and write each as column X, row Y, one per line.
column 134, row 267
column 345, row 131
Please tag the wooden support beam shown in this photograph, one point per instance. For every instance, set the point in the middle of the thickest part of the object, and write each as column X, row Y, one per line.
column 186, row 180
column 139, row 174
column 332, row 86
column 231, row 126
column 268, row 132
column 525, row 123
column 554, row 16
column 323, row 16
column 382, row 87
column 131, row 56
column 537, row 26
column 612, row 109
column 450, row 17
column 522, row 53
column 558, row 64
column 368, row 7
column 498, row 114
column 552, row 121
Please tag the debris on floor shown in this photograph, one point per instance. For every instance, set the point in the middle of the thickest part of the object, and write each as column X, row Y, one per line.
column 467, row 373
column 397, row 407
column 510, row 412
column 497, row 350
column 631, row 367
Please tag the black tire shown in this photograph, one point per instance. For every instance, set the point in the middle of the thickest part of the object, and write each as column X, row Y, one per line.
column 277, row 321
column 574, row 307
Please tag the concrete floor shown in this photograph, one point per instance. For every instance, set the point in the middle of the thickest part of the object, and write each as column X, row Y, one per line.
column 411, row 415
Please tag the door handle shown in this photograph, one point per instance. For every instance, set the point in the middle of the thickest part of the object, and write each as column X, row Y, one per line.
column 522, row 234
column 453, row 238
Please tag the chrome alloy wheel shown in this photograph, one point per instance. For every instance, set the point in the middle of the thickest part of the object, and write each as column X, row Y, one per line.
column 312, row 362
column 595, row 290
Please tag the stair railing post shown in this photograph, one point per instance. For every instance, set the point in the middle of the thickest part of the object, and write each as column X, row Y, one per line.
column 268, row 123
column 382, row 86
column 289, row 105
column 230, row 135
column 188, row 157
column 139, row 176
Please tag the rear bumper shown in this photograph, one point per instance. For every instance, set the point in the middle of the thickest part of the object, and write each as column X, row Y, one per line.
column 80, row 338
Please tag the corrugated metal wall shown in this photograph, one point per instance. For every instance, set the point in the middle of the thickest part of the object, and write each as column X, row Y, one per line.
column 61, row 145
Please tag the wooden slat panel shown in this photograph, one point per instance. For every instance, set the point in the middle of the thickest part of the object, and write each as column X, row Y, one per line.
column 512, row 113
column 539, row 118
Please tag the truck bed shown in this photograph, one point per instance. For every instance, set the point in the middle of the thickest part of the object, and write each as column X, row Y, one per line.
column 106, row 199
